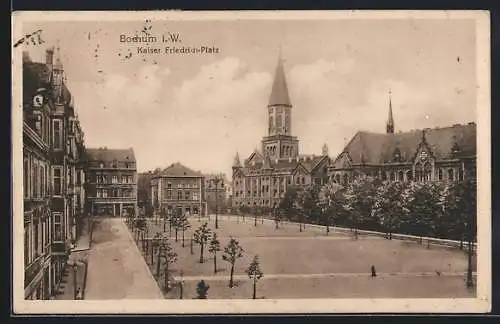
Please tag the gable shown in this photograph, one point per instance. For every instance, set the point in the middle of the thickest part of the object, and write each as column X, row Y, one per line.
column 255, row 157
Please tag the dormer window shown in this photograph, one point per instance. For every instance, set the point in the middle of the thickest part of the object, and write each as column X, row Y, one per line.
column 455, row 148
column 397, row 155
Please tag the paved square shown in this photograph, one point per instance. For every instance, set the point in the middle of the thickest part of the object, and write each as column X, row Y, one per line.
column 310, row 264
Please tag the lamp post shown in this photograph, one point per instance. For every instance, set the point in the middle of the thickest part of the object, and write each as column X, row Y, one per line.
column 216, row 181
column 182, row 285
column 75, row 268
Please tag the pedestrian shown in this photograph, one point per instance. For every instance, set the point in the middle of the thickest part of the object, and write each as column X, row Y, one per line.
column 79, row 294
column 374, row 272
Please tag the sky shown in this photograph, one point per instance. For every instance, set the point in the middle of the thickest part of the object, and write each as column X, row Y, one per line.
column 200, row 109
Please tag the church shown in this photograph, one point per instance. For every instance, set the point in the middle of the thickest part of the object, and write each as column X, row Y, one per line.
column 430, row 154
column 262, row 179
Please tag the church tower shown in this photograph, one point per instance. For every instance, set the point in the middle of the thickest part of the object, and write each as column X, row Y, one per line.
column 279, row 142
column 390, row 121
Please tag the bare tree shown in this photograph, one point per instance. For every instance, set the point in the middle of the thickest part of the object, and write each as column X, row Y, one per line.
column 201, row 236
column 214, row 248
column 254, row 272
column 232, row 252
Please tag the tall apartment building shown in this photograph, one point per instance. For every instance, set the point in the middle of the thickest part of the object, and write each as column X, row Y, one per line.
column 111, row 182
column 178, row 188
column 53, row 147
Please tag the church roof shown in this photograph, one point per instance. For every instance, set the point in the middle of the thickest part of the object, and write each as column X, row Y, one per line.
column 103, row 154
column 177, row 170
column 379, row 148
column 309, row 162
column 279, row 92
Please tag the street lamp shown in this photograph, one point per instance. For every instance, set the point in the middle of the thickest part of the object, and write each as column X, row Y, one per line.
column 75, row 268
column 182, row 285
column 216, row 181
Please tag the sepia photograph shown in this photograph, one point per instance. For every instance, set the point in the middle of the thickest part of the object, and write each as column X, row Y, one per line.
column 251, row 162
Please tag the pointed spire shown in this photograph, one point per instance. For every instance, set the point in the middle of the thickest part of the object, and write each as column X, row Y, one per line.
column 279, row 92
column 390, row 121
column 325, row 150
column 237, row 163
column 58, row 64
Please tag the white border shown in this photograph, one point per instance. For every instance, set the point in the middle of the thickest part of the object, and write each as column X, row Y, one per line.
column 293, row 306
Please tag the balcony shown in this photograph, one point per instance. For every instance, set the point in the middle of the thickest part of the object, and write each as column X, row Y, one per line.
column 60, row 248
column 32, row 270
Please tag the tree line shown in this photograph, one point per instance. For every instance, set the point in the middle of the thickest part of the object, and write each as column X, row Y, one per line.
column 435, row 209
column 158, row 250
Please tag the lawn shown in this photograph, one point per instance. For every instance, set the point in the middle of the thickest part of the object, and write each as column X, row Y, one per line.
column 286, row 252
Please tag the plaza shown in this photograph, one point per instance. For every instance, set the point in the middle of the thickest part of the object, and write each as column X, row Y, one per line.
column 310, row 264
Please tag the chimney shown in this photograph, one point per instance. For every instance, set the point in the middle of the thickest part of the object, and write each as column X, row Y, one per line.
column 49, row 56
column 26, row 57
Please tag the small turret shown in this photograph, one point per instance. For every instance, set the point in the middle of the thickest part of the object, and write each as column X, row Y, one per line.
column 236, row 162
column 324, row 151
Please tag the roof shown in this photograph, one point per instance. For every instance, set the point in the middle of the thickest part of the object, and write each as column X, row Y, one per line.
column 35, row 76
column 379, row 148
column 109, row 155
column 309, row 162
column 177, row 170
column 279, row 92
column 38, row 75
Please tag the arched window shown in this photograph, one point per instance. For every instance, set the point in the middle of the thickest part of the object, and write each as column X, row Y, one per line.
column 418, row 172
column 427, row 172
column 401, row 176
column 337, row 178
column 450, row 175
column 393, row 176
column 270, row 123
column 409, row 175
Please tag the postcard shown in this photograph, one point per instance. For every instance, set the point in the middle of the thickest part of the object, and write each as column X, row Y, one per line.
column 251, row 162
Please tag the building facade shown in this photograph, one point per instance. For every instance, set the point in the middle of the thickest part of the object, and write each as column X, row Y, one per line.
column 144, row 198
column 263, row 178
column 111, row 182
column 53, row 147
column 216, row 193
column 178, row 189
column 437, row 154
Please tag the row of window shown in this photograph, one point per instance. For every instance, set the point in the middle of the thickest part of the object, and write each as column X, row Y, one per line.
column 116, row 164
column 37, row 236
column 102, row 179
column 115, row 193
column 193, row 185
column 35, row 178
column 420, row 174
column 182, row 195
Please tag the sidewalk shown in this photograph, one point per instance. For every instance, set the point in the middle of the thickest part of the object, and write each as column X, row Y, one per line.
column 66, row 288
column 79, row 254
column 84, row 241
